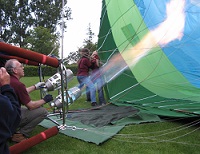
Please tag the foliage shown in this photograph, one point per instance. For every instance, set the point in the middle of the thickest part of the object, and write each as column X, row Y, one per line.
column 73, row 57
column 34, row 71
column 18, row 17
column 31, row 71
column 73, row 68
column 42, row 41
column 88, row 41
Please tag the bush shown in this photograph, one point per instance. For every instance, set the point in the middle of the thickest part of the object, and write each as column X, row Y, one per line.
column 46, row 70
column 73, row 68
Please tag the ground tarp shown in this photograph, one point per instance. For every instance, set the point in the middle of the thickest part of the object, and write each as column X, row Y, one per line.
column 100, row 124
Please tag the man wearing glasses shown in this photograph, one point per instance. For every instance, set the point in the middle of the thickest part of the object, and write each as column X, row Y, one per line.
column 32, row 112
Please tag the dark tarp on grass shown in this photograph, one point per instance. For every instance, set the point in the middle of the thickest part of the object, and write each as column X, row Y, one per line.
column 102, row 116
column 100, row 124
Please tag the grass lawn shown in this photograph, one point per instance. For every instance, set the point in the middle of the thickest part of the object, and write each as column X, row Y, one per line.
column 177, row 136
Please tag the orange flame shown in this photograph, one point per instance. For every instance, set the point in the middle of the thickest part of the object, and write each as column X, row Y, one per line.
column 169, row 30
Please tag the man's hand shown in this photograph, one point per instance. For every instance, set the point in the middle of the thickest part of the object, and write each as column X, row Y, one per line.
column 4, row 77
column 48, row 98
column 38, row 85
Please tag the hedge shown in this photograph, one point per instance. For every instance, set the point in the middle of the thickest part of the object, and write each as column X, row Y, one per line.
column 46, row 70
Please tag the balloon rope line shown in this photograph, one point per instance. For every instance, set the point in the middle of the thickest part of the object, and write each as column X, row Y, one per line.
column 152, row 138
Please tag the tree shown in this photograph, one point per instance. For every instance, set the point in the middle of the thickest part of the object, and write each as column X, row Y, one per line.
column 73, row 57
column 19, row 17
column 87, row 43
column 41, row 40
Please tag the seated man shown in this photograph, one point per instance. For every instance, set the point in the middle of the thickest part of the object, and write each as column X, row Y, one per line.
column 31, row 112
column 9, row 111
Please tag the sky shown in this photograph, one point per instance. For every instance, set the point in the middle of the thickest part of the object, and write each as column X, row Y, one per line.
column 84, row 12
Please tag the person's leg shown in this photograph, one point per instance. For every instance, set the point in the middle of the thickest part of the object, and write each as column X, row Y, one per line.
column 81, row 84
column 30, row 119
column 88, row 94
column 92, row 90
column 80, row 81
column 100, row 91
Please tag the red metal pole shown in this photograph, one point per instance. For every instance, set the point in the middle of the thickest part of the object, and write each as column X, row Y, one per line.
column 28, row 54
column 26, row 144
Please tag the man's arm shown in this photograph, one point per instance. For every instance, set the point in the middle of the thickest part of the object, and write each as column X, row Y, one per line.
column 35, row 104
column 35, row 87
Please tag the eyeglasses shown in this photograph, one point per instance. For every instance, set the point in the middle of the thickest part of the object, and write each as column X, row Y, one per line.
column 21, row 66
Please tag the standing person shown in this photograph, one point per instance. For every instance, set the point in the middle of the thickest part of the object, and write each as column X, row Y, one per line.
column 96, row 77
column 31, row 112
column 84, row 66
column 9, row 111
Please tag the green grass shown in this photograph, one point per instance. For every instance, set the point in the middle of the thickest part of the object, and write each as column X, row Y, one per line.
column 179, row 136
